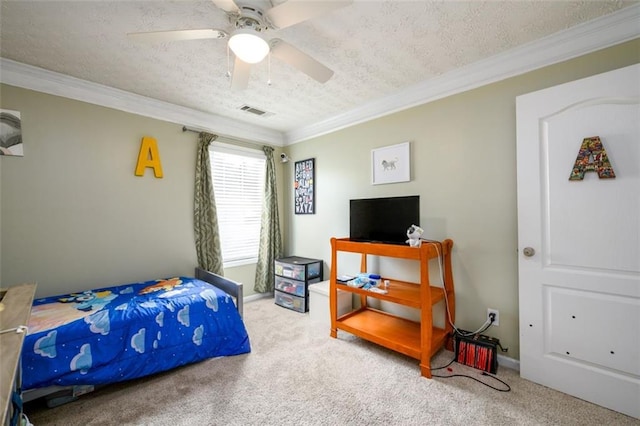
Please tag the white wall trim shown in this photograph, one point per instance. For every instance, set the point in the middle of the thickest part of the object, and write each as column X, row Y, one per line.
column 256, row 296
column 53, row 83
column 506, row 362
column 588, row 37
column 600, row 33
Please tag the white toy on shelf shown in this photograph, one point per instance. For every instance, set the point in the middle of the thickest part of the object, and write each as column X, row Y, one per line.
column 414, row 233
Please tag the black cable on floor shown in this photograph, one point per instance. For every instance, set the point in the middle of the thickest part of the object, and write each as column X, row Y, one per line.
column 444, row 366
column 484, row 373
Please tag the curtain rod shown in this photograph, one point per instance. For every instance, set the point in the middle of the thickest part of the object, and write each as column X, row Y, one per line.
column 186, row 129
column 250, row 144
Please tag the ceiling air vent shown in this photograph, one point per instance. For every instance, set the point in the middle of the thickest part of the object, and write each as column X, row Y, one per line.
column 255, row 111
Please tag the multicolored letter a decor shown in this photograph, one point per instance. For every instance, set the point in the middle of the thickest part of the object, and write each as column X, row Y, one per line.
column 592, row 148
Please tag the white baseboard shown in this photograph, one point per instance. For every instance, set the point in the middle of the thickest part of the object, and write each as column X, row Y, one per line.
column 507, row 362
column 256, row 296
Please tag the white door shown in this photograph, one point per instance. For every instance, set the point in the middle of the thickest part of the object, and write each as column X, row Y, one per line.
column 579, row 277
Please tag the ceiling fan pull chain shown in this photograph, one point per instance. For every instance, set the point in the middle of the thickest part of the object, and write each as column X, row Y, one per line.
column 228, row 63
column 269, row 70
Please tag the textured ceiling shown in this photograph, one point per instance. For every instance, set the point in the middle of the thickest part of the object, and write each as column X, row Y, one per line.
column 376, row 48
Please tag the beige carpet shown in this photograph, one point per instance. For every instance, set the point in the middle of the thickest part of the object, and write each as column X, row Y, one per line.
column 297, row 375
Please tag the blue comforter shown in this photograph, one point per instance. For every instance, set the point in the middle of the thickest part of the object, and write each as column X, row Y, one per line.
column 125, row 332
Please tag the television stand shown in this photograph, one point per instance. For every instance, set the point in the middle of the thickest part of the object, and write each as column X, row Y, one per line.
column 419, row 340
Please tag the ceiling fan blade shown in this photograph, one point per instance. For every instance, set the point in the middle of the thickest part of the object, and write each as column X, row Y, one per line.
column 228, row 6
column 177, row 35
column 240, row 76
column 295, row 11
column 300, row 60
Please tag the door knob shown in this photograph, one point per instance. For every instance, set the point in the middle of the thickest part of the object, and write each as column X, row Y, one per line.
column 528, row 251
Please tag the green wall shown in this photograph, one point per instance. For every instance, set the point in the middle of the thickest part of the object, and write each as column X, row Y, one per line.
column 463, row 150
column 74, row 216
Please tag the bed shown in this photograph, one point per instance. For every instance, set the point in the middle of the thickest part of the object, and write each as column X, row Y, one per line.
column 107, row 335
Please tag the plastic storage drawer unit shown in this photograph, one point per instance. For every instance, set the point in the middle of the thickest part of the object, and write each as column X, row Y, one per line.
column 293, row 276
column 290, row 301
column 298, row 268
column 298, row 288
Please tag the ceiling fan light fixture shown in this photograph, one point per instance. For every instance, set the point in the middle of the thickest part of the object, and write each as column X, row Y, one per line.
column 248, row 45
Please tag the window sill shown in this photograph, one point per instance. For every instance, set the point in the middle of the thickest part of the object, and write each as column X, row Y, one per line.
column 241, row 262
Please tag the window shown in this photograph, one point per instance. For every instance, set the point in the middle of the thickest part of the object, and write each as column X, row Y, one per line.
column 238, row 186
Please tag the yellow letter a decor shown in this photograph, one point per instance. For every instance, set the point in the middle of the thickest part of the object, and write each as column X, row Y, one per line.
column 592, row 148
column 149, row 157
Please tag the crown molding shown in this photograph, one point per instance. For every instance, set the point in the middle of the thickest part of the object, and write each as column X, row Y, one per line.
column 33, row 78
column 600, row 33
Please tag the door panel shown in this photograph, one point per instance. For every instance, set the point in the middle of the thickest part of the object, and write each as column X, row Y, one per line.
column 579, row 318
column 580, row 213
column 580, row 291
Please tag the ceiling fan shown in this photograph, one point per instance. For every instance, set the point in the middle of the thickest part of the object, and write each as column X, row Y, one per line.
column 251, row 19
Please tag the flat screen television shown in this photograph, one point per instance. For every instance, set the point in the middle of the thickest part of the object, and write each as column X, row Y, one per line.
column 383, row 220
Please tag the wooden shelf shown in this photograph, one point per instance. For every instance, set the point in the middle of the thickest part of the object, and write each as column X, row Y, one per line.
column 419, row 340
column 16, row 310
column 403, row 293
column 390, row 331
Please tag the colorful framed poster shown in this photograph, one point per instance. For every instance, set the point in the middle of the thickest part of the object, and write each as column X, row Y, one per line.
column 304, row 187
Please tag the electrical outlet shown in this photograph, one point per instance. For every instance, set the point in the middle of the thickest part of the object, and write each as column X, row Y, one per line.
column 490, row 311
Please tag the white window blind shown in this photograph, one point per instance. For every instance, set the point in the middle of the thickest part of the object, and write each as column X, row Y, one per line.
column 238, row 185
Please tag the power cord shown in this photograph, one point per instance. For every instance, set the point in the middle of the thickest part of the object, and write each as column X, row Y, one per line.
column 444, row 366
column 484, row 373
column 19, row 330
column 440, row 251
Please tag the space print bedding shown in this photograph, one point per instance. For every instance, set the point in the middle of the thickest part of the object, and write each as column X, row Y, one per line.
column 124, row 332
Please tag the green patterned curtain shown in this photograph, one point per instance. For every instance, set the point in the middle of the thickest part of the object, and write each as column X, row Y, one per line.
column 270, row 238
column 205, row 217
